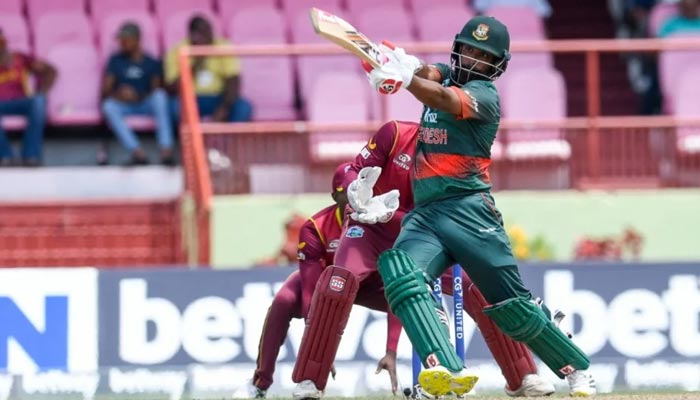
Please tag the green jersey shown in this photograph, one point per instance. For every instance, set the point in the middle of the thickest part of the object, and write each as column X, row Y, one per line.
column 453, row 152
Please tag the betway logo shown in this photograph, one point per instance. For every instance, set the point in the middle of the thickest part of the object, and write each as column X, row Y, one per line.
column 636, row 322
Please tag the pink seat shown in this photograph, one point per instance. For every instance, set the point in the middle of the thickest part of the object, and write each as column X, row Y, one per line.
column 100, row 9
column 165, row 8
column 74, row 98
column 310, row 67
column 273, row 31
column 441, row 24
column 227, row 8
column 175, row 26
column 420, row 6
column 111, row 24
column 10, row 7
column 37, row 8
column 356, row 7
column 60, row 28
column 523, row 22
column 338, row 98
column 400, row 106
column 268, row 82
column 660, row 14
column 293, row 8
column 686, row 106
column 535, row 94
column 14, row 27
column 673, row 64
column 385, row 22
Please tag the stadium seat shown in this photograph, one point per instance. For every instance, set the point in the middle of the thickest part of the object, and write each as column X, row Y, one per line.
column 37, row 8
column 175, row 26
column 356, row 7
column 420, row 6
column 338, row 97
column 227, row 8
column 166, row 8
column 110, row 26
column 441, row 24
column 523, row 22
column 390, row 22
column 686, row 106
column 100, row 9
column 672, row 64
column 310, row 67
column 14, row 27
column 60, row 28
column 267, row 81
column 400, row 106
column 293, row 8
column 659, row 14
column 10, row 7
column 74, row 98
column 535, row 95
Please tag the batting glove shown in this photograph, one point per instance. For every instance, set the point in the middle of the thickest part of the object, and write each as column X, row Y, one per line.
column 397, row 71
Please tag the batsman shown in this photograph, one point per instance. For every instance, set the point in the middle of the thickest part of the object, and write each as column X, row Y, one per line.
column 455, row 219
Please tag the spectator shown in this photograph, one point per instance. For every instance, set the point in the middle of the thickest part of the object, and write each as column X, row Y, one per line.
column 16, row 98
column 687, row 20
column 132, row 85
column 541, row 7
column 216, row 78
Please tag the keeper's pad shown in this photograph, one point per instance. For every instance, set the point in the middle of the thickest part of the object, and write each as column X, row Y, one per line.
column 410, row 299
column 525, row 322
column 330, row 308
column 514, row 358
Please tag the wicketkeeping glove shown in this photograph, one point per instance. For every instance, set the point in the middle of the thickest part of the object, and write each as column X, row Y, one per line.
column 369, row 209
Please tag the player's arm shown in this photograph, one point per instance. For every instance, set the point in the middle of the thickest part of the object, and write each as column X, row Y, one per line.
column 375, row 153
column 436, row 96
column 311, row 253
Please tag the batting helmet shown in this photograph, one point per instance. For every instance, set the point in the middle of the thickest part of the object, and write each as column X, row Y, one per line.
column 484, row 33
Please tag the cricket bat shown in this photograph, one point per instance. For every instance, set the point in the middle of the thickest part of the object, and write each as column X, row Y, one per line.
column 340, row 32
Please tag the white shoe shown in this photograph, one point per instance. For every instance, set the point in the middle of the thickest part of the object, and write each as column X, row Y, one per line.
column 532, row 385
column 439, row 381
column 581, row 384
column 306, row 390
column 250, row 391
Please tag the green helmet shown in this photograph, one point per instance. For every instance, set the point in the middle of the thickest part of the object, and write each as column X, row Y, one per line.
column 487, row 34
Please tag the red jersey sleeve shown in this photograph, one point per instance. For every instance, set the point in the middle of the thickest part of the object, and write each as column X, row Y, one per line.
column 311, row 253
column 376, row 152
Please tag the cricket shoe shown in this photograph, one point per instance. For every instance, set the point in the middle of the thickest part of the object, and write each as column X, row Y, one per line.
column 306, row 390
column 581, row 384
column 532, row 385
column 439, row 381
column 250, row 391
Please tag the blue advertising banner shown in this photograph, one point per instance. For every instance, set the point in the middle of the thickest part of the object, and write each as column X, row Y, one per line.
column 638, row 322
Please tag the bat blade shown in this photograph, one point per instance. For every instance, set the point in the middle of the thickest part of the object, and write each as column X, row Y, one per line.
column 342, row 33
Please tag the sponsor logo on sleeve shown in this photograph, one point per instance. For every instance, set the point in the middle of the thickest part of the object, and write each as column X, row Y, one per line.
column 355, row 232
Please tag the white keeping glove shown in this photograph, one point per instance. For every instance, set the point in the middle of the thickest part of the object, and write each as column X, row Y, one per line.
column 379, row 208
column 360, row 191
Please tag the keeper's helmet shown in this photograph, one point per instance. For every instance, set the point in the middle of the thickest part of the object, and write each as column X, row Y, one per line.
column 484, row 33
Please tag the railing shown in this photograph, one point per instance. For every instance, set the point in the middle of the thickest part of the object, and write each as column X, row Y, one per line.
column 601, row 145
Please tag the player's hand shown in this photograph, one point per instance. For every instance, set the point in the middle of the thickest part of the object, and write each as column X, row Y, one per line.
column 378, row 209
column 385, row 80
column 388, row 362
column 360, row 191
column 398, row 54
column 333, row 372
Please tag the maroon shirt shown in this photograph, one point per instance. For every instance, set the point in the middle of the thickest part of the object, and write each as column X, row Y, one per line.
column 14, row 78
column 318, row 239
column 392, row 147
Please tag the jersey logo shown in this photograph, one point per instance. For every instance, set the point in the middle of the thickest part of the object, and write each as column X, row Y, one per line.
column 364, row 153
column 481, row 32
column 301, row 245
column 355, row 232
column 333, row 245
column 429, row 116
column 301, row 256
column 402, row 161
column 371, row 145
column 337, row 283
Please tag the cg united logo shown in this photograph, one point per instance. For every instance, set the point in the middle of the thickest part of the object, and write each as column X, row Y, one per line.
column 337, row 283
